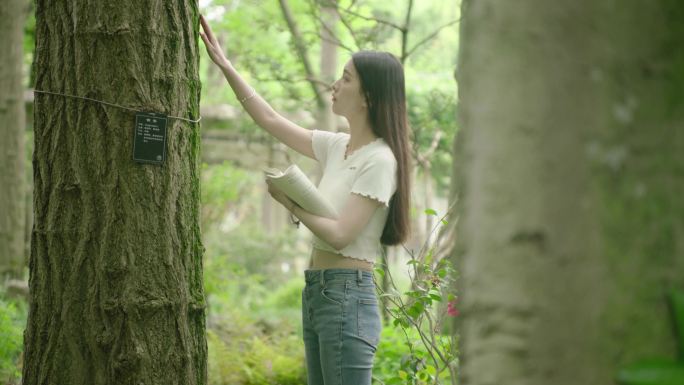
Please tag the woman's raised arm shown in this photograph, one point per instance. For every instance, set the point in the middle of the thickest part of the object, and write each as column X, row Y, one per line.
column 296, row 137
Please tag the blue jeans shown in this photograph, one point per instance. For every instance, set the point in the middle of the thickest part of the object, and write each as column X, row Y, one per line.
column 342, row 325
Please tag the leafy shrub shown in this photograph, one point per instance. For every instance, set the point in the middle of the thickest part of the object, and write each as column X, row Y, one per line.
column 12, row 322
column 243, row 359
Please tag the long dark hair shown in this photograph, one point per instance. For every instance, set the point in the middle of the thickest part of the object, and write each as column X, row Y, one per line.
column 382, row 82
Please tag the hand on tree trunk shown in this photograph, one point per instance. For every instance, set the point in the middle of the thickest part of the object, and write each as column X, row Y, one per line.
column 213, row 47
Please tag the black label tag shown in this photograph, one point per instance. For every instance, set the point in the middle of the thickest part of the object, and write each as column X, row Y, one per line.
column 149, row 138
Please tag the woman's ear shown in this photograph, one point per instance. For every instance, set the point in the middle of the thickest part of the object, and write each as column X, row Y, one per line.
column 366, row 103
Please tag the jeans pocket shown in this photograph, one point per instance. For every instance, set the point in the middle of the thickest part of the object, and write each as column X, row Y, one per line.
column 368, row 321
column 333, row 295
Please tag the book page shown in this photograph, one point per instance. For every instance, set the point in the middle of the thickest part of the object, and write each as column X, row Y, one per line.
column 296, row 185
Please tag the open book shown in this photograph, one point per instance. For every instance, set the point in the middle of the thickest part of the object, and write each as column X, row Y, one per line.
column 295, row 184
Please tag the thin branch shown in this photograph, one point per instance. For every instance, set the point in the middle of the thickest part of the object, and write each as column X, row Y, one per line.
column 434, row 343
column 287, row 79
column 430, row 36
column 423, row 158
column 326, row 85
column 434, row 144
column 405, row 31
column 301, row 49
column 429, row 344
column 434, row 228
column 337, row 43
column 351, row 5
column 421, row 333
column 337, row 40
column 319, row 19
column 351, row 31
column 375, row 19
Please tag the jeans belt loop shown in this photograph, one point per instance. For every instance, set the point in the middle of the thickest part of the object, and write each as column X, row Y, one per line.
column 322, row 278
column 359, row 276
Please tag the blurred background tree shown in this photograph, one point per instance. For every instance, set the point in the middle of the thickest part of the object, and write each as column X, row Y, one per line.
column 570, row 178
column 12, row 156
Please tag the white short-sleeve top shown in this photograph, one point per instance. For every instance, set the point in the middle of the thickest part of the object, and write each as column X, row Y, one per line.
column 370, row 171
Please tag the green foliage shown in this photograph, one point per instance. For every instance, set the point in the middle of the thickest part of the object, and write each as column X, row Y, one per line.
column 288, row 295
column 254, row 339
column 652, row 372
column 247, row 246
column 432, row 113
column 253, row 316
column 254, row 311
column 677, row 315
column 424, row 351
column 223, row 188
column 29, row 45
column 242, row 357
column 253, row 326
column 236, row 243
column 12, row 321
column 659, row 371
column 400, row 357
column 258, row 42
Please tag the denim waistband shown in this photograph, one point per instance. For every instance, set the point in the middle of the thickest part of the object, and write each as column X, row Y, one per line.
column 312, row 276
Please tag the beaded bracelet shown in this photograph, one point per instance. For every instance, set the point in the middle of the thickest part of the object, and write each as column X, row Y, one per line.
column 294, row 221
column 246, row 98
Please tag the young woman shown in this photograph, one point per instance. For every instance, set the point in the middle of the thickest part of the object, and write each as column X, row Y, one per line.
column 366, row 178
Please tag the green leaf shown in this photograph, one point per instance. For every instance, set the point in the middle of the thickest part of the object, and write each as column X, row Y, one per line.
column 431, row 370
column 416, row 309
column 445, row 222
column 430, row 212
column 436, row 297
column 442, row 273
column 413, row 312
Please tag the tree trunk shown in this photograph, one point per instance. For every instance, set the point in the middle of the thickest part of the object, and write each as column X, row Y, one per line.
column 116, row 291
column 329, row 18
column 569, row 181
column 426, row 179
column 12, row 118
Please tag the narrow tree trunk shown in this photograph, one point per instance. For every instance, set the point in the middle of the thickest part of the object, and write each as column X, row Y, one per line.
column 326, row 118
column 427, row 187
column 569, row 180
column 12, row 123
column 267, row 204
column 385, row 259
column 116, row 292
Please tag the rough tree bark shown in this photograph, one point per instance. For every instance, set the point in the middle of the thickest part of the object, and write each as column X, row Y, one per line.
column 569, row 183
column 116, row 292
column 12, row 123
